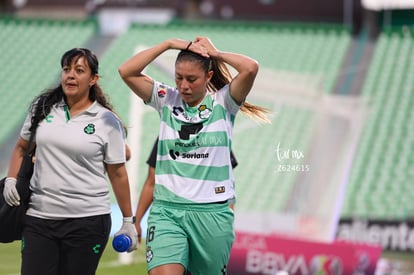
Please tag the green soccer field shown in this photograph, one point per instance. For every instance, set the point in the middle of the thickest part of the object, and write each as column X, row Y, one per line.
column 109, row 264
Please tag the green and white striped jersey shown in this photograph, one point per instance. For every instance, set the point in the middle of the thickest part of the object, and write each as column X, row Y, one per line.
column 193, row 158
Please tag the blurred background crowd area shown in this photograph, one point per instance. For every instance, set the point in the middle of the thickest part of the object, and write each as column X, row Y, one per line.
column 347, row 12
column 337, row 75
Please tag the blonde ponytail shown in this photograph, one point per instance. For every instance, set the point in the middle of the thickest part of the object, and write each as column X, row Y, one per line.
column 258, row 113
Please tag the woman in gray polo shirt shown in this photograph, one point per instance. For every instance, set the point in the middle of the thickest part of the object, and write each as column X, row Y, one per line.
column 80, row 143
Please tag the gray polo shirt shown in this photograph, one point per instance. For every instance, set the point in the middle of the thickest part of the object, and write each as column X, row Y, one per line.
column 69, row 178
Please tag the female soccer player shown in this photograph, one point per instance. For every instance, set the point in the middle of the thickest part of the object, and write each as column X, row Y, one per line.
column 190, row 226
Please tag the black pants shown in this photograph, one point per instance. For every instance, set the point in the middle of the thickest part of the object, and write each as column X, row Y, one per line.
column 64, row 247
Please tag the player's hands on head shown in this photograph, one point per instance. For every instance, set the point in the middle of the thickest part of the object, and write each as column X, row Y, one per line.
column 206, row 46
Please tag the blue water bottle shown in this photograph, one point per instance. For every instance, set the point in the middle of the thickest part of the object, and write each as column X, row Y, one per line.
column 121, row 243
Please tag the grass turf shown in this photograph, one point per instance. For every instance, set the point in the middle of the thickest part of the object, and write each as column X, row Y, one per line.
column 109, row 264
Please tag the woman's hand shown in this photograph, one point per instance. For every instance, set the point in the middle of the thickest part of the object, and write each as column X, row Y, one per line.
column 205, row 47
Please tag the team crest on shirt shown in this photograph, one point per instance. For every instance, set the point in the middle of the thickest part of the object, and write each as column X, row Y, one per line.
column 204, row 112
column 162, row 91
column 149, row 254
column 89, row 129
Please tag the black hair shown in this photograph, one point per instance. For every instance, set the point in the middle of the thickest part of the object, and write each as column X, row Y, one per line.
column 43, row 103
column 221, row 77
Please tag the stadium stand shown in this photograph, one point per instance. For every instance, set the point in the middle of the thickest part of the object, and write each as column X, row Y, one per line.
column 31, row 51
column 379, row 185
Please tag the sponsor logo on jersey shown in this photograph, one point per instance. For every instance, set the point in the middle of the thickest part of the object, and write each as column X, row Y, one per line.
column 179, row 111
column 175, row 154
column 203, row 112
column 188, row 144
column 187, row 130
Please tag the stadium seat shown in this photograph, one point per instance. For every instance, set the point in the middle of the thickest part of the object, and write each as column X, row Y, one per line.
column 381, row 169
column 31, row 51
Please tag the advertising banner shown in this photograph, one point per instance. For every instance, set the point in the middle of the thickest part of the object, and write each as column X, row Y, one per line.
column 392, row 235
column 270, row 254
